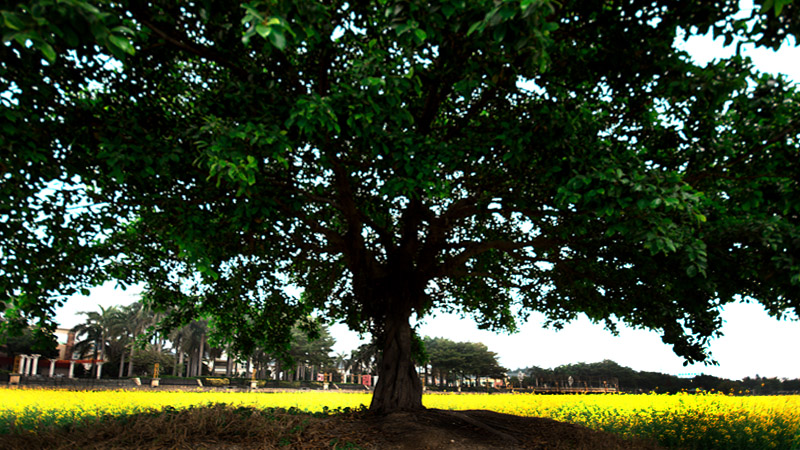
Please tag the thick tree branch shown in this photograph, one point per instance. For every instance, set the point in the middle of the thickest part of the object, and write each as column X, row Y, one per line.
column 440, row 226
column 438, row 85
column 411, row 221
column 360, row 258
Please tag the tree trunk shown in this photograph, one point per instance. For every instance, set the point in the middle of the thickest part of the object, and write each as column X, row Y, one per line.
column 130, row 357
column 121, row 364
column 200, row 353
column 103, row 348
column 178, row 354
column 228, row 365
column 92, row 372
column 179, row 366
column 192, row 363
column 399, row 387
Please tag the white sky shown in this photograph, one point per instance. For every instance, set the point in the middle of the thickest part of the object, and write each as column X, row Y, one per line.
column 752, row 342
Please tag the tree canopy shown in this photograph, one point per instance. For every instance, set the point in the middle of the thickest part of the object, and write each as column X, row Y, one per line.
column 29, row 342
column 392, row 157
column 459, row 359
column 316, row 352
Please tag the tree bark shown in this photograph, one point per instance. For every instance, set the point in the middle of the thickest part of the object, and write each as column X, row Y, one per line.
column 193, row 362
column 179, row 366
column 399, row 387
column 200, row 353
column 130, row 357
column 92, row 372
column 228, row 365
column 178, row 355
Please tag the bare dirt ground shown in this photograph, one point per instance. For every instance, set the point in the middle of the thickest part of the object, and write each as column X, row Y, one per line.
column 477, row 429
column 227, row 428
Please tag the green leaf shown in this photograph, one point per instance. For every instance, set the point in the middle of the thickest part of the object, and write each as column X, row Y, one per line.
column 549, row 26
column 122, row 43
column 89, row 8
column 278, row 39
column 12, row 21
column 402, row 28
column 373, row 81
column 263, row 30
column 123, row 30
column 420, row 35
column 47, row 50
column 474, row 27
column 779, row 4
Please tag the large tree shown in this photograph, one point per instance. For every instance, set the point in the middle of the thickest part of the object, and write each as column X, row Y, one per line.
column 392, row 157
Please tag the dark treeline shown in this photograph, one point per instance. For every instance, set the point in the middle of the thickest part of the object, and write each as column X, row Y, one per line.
column 635, row 381
column 451, row 363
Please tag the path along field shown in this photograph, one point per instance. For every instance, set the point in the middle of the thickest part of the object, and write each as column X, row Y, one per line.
column 693, row 421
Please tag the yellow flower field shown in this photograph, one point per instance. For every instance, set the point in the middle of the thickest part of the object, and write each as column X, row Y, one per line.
column 704, row 421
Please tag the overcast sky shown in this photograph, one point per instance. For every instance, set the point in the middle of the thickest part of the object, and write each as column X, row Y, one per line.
column 752, row 342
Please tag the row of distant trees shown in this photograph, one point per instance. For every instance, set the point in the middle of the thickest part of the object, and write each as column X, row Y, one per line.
column 113, row 334
column 127, row 338
column 449, row 362
column 636, row 381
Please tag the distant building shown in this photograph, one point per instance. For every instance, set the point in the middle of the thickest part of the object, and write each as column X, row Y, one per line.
column 66, row 343
column 61, row 366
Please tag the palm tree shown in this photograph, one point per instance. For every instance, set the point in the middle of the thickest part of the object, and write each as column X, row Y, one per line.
column 197, row 340
column 191, row 340
column 229, row 361
column 177, row 337
column 214, row 353
column 364, row 359
column 340, row 363
column 98, row 328
column 137, row 318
